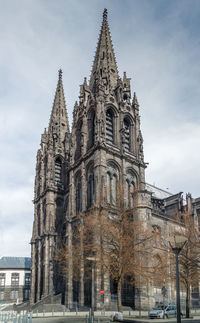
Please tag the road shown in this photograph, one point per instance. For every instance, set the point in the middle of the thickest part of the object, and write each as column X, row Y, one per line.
column 104, row 320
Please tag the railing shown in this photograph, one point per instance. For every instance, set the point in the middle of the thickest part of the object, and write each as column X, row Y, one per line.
column 14, row 317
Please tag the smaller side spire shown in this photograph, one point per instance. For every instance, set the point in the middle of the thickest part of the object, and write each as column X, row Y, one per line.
column 59, row 124
column 135, row 101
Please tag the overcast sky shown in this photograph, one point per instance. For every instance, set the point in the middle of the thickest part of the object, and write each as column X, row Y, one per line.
column 157, row 42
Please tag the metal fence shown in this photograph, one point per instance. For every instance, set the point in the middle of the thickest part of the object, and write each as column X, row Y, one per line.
column 14, row 317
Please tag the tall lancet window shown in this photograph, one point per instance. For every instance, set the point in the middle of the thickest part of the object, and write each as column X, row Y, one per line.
column 90, row 187
column 78, row 185
column 58, row 172
column 112, row 180
column 127, row 128
column 79, row 140
column 109, row 126
column 114, row 189
column 108, row 188
column 91, row 129
column 130, row 188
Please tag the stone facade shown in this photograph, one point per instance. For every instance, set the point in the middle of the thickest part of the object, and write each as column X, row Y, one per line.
column 105, row 146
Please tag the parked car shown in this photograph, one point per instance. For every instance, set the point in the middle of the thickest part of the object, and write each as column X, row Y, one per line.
column 118, row 316
column 170, row 311
column 157, row 312
column 162, row 312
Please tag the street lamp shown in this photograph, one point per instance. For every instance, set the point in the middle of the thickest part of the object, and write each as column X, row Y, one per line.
column 177, row 243
column 92, row 259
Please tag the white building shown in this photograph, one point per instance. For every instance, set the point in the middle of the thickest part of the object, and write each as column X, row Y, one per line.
column 15, row 276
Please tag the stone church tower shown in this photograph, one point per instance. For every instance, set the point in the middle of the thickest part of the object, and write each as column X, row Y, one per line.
column 105, row 147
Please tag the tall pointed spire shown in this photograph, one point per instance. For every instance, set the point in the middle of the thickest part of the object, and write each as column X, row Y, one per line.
column 59, row 124
column 104, row 67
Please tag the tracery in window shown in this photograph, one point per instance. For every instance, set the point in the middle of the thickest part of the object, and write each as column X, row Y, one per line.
column 109, row 126
column 78, row 186
column 90, row 187
column 58, row 172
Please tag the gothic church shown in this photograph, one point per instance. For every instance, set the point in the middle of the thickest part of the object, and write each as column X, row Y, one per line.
column 104, row 147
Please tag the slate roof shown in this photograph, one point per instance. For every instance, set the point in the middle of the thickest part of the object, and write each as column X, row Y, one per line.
column 15, row 262
column 158, row 192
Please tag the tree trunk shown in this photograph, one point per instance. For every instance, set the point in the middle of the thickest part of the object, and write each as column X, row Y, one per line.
column 188, row 301
column 119, row 296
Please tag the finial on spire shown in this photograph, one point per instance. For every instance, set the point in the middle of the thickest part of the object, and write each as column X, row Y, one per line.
column 105, row 13
column 60, row 73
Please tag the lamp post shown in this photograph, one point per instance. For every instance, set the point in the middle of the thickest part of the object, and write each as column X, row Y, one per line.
column 177, row 243
column 92, row 259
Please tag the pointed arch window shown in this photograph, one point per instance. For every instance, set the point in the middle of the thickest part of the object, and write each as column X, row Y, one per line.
column 112, row 186
column 90, row 187
column 109, row 126
column 78, row 194
column 127, row 128
column 78, row 140
column 58, row 172
column 114, row 189
column 108, row 188
column 91, row 129
column 130, row 188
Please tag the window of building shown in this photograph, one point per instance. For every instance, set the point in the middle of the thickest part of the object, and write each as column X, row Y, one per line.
column 14, row 279
column 114, row 189
column 112, row 185
column 78, row 194
column 90, row 187
column 2, row 279
column 38, row 219
column 58, row 172
column 44, row 213
column 79, row 139
column 27, row 279
column 109, row 127
column 127, row 134
column 1, row 296
column 130, row 188
column 108, row 188
column 91, row 129
column 26, row 294
column 14, row 294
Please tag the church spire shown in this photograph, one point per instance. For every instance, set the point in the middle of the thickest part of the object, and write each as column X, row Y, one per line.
column 59, row 124
column 104, row 68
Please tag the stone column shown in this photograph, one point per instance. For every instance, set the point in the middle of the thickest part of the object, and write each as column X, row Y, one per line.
column 50, row 278
column 81, row 295
column 98, row 286
column 84, row 187
column 39, row 270
column 106, row 289
column 46, row 267
column 33, row 273
column 70, row 268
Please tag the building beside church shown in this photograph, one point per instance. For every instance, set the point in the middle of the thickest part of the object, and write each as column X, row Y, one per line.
column 104, row 147
column 15, row 279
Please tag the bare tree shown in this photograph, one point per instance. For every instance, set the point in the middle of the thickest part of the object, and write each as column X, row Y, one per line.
column 118, row 238
column 189, row 258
